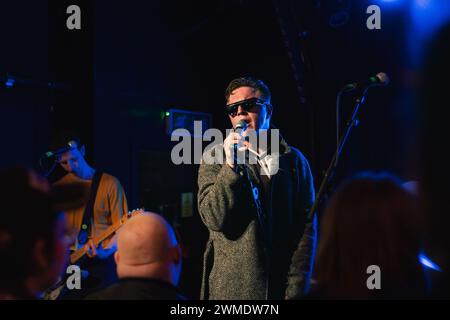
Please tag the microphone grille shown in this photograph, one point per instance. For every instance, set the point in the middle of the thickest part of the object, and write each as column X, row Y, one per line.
column 241, row 125
column 384, row 79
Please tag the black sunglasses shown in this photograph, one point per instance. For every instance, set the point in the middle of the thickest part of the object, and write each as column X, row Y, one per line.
column 247, row 105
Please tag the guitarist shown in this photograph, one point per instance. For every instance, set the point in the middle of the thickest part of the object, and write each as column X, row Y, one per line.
column 106, row 205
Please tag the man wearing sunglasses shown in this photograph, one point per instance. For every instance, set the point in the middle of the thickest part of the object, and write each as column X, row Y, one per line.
column 255, row 220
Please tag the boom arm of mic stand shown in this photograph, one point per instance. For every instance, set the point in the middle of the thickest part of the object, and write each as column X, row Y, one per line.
column 333, row 165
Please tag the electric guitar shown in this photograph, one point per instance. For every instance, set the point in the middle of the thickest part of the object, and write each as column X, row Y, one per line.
column 54, row 292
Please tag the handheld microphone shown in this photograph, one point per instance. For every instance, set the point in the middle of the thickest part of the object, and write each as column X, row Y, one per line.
column 240, row 127
column 380, row 80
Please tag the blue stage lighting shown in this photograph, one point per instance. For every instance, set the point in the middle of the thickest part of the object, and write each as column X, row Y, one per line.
column 390, row 4
column 9, row 82
column 425, row 261
column 422, row 3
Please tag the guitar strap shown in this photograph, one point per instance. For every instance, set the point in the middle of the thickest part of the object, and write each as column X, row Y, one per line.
column 89, row 210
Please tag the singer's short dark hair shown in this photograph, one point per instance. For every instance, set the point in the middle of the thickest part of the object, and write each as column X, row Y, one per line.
column 248, row 82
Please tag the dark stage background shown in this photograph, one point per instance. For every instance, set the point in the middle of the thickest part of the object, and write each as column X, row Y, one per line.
column 114, row 79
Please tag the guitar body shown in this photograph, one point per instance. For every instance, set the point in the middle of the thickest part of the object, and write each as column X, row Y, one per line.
column 97, row 273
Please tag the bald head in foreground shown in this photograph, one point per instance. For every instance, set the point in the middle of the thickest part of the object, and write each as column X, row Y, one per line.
column 148, row 261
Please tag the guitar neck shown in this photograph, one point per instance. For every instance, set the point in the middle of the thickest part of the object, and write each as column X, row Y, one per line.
column 80, row 253
column 77, row 255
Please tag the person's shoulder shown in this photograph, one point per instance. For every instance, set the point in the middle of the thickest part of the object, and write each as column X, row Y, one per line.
column 297, row 154
column 61, row 181
column 110, row 293
column 68, row 178
column 110, row 182
column 110, row 179
column 300, row 161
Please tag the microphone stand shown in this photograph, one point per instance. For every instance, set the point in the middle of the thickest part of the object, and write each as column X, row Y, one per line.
column 329, row 174
column 45, row 171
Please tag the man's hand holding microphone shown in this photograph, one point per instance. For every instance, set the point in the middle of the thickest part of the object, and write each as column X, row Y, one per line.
column 234, row 142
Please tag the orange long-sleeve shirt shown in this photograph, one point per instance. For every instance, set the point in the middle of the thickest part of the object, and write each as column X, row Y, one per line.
column 110, row 206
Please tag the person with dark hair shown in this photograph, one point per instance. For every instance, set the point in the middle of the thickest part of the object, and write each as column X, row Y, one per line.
column 249, row 82
column 33, row 246
column 256, row 216
column 372, row 224
column 106, row 205
column 434, row 112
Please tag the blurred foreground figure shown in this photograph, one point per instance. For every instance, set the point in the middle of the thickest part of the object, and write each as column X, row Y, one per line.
column 370, row 243
column 435, row 115
column 33, row 246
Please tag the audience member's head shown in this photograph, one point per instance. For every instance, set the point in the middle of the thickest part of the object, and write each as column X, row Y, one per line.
column 32, row 235
column 370, row 220
column 147, row 248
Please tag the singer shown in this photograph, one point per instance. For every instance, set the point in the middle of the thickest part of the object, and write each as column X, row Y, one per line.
column 248, row 256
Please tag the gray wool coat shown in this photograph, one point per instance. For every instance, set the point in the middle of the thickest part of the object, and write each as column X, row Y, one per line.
column 238, row 263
